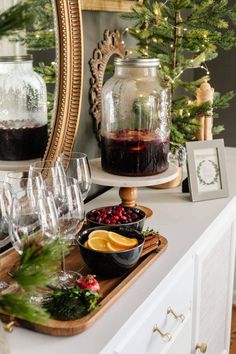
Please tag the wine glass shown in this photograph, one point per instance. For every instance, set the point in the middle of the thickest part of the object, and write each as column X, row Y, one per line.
column 24, row 220
column 22, row 180
column 5, row 205
column 32, row 219
column 71, row 214
column 78, row 168
column 52, row 174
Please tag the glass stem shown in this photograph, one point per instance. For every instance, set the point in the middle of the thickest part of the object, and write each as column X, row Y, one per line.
column 63, row 262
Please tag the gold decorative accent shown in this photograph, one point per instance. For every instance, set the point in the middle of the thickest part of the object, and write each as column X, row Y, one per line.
column 166, row 336
column 205, row 93
column 109, row 5
column 9, row 326
column 112, row 44
column 202, row 347
column 180, row 318
column 70, row 78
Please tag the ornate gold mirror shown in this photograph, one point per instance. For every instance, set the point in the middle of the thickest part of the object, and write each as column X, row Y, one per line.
column 64, row 95
column 70, row 77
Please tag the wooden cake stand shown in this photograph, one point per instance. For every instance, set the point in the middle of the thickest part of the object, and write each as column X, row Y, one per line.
column 128, row 185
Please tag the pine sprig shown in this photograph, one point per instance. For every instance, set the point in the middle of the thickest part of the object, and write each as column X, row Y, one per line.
column 32, row 271
column 38, row 262
column 18, row 305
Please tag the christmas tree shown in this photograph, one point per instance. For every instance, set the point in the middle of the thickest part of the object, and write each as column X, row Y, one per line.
column 184, row 35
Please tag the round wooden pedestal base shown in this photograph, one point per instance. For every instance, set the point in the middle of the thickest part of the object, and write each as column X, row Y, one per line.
column 128, row 197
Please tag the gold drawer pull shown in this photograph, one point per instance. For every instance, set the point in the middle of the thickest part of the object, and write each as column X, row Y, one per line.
column 180, row 318
column 166, row 336
column 202, row 347
column 9, row 326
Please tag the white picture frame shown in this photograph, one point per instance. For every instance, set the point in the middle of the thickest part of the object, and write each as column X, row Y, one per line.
column 206, row 169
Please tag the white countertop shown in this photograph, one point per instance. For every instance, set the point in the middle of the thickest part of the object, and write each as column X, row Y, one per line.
column 181, row 221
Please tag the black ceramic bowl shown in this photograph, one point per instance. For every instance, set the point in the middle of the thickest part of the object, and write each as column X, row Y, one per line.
column 97, row 213
column 111, row 264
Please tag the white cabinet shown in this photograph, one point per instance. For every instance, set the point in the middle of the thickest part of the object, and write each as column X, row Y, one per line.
column 163, row 323
column 214, row 265
column 199, row 291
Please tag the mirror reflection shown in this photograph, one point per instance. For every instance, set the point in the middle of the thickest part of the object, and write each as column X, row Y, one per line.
column 27, row 80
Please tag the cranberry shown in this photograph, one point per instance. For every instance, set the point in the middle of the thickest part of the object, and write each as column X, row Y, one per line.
column 114, row 215
column 134, row 216
column 120, row 209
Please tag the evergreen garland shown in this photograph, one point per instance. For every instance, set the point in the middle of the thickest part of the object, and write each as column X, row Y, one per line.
column 184, row 35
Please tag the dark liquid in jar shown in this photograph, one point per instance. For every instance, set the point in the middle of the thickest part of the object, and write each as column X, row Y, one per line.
column 24, row 143
column 134, row 153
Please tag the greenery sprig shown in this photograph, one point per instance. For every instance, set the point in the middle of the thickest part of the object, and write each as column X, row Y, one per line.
column 38, row 263
column 71, row 304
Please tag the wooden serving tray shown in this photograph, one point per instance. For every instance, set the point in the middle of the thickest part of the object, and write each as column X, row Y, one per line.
column 111, row 289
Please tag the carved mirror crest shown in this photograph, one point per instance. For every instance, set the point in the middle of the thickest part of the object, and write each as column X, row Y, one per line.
column 112, row 44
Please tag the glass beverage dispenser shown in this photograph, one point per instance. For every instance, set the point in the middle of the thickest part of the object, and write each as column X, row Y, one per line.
column 135, row 125
column 23, row 110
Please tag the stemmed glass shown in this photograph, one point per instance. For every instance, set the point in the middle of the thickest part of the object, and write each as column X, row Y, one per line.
column 52, row 174
column 5, row 205
column 24, row 220
column 78, row 168
column 70, row 210
column 71, row 214
column 21, row 181
column 33, row 217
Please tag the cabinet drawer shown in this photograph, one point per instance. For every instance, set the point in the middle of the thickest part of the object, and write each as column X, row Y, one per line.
column 138, row 335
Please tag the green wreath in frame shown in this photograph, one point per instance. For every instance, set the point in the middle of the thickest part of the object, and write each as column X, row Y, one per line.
column 216, row 173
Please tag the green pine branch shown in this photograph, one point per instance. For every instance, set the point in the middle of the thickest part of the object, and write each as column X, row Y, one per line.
column 38, row 263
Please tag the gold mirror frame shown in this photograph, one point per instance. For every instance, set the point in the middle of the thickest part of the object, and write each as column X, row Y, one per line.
column 70, row 78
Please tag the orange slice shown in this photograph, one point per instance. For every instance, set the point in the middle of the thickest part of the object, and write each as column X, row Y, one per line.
column 100, row 234
column 97, row 244
column 86, row 244
column 122, row 241
column 113, row 248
